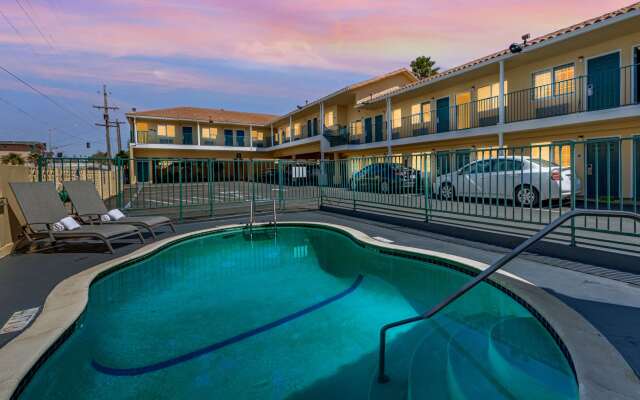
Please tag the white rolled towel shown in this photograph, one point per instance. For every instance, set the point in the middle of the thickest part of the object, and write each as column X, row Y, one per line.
column 69, row 223
column 115, row 214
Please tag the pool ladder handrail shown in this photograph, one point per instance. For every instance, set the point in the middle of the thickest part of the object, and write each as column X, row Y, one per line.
column 383, row 378
column 252, row 215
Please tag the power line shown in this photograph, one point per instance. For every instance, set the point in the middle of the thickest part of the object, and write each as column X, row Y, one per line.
column 34, row 118
column 34, row 23
column 56, row 103
column 18, row 32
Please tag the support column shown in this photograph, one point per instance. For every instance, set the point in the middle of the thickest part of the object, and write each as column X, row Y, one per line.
column 322, row 118
column 198, row 132
column 501, row 95
column 135, row 131
column 389, row 126
column 290, row 128
column 271, row 135
column 250, row 136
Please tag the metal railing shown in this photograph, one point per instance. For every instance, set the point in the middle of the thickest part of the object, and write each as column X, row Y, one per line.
column 383, row 378
column 508, row 190
column 595, row 91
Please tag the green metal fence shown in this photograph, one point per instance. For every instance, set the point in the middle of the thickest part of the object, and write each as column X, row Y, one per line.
column 508, row 190
column 183, row 188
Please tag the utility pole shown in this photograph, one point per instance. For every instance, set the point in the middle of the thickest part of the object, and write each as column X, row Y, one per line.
column 105, row 114
column 118, row 137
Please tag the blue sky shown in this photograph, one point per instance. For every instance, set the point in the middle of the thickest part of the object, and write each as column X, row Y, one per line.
column 246, row 55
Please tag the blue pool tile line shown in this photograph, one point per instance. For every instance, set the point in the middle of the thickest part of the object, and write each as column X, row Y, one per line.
column 227, row 342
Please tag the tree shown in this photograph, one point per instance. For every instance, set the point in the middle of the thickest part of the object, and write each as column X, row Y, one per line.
column 12, row 159
column 424, row 67
column 34, row 157
column 122, row 154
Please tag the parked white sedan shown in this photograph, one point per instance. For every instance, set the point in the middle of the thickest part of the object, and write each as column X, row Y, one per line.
column 522, row 179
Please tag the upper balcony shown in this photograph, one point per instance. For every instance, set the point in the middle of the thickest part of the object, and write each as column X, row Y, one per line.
column 208, row 137
column 597, row 91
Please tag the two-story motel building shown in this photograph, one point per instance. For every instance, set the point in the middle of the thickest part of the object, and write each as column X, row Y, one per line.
column 578, row 83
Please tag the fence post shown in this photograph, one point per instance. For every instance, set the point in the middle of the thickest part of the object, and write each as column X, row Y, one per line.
column 209, row 186
column 573, row 190
column 280, row 183
column 353, row 187
column 40, row 169
column 426, row 189
column 321, row 179
column 119, row 185
column 180, row 178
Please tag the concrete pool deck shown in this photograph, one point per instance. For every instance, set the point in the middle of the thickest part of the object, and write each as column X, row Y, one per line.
column 611, row 306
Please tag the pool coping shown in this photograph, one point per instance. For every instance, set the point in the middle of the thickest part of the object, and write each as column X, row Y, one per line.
column 601, row 372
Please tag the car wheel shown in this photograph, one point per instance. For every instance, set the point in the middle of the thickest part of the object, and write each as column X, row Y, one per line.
column 527, row 196
column 447, row 191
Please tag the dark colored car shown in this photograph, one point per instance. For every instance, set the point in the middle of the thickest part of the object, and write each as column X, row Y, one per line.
column 387, row 178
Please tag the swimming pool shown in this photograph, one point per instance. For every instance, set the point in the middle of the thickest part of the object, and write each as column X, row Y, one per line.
column 296, row 314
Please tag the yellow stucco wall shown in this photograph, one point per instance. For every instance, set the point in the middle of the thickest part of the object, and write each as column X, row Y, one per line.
column 10, row 217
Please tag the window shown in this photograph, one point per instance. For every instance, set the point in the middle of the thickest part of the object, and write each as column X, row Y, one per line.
column 356, row 128
column 167, row 130
column 396, row 118
column 209, row 132
column 426, row 112
column 296, row 129
column 142, row 126
column 488, row 96
column 561, row 153
column 463, row 102
column 556, row 81
column 415, row 114
column 328, row 119
column 563, row 79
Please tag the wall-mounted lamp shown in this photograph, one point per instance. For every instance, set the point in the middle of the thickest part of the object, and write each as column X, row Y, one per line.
column 581, row 59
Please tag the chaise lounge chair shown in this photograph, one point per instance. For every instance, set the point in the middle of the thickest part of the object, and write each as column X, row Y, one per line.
column 88, row 204
column 41, row 207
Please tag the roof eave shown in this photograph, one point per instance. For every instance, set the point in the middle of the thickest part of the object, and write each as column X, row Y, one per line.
column 542, row 44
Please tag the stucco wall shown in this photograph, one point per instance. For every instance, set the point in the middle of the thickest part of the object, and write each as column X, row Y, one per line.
column 10, row 216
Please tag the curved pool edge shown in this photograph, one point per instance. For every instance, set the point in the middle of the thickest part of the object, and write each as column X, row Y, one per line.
column 601, row 372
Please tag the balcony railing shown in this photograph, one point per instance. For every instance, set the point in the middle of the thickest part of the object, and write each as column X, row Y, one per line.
column 596, row 91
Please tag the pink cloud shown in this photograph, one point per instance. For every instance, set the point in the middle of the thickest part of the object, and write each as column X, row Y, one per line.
column 360, row 36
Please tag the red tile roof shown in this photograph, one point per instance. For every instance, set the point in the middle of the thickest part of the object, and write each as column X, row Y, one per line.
column 207, row 114
column 532, row 42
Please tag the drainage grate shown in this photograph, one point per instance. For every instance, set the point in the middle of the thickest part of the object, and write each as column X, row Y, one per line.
column 19, row 320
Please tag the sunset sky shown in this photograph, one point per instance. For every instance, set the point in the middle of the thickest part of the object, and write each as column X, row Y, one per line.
column 262, row 56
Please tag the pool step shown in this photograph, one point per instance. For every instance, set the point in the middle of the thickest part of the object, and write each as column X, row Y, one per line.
column 487, row 358
column 521, row 347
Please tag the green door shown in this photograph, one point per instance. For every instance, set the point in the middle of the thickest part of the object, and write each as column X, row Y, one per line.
column 368, row 130
column 377, row 128
column 603, row 82
column 442, row 114
column 603, row 171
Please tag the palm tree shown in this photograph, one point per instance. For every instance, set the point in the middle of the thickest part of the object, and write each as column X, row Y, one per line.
column 12, row 159
column 424, row 67
column 34, row 157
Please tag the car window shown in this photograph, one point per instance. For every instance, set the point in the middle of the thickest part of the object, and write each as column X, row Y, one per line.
column 545, row 163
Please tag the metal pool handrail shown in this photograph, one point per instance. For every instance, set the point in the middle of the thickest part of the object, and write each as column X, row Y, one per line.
column 383, row 378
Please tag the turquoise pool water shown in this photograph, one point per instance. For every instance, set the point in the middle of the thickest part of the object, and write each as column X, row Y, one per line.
column 296, row 315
